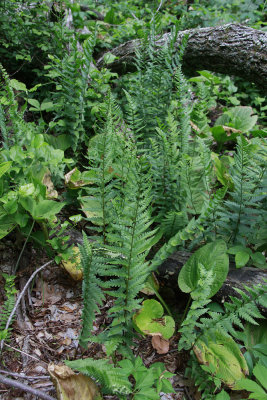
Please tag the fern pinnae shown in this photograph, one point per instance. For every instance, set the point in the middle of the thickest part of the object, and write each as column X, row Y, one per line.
column 131, row 240
column 92, row 289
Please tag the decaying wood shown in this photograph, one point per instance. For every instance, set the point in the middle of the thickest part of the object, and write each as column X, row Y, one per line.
column 169, row 270
column 231, row 49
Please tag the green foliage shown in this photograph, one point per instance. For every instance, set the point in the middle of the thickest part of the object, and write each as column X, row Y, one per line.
column 92, row 294
column 149, row 320
column 211, row 257
column 149, row 382
column 8, row 305
column 258, row 390
column 159, row 163
column 254, row 339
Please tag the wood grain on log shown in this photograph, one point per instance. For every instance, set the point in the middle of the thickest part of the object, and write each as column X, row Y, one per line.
column 231, row 49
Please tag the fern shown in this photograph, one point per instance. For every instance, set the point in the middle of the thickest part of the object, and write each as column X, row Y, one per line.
column 101, row 156
column 241, row 214
column 112, row 379
column 131, row 240
column 92, row 285
column 7, row 306
column 243, row 308
column 16, row 131
column 72, row 74
column 191, row 231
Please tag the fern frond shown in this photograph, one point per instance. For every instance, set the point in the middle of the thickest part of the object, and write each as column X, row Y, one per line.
column 92, row 288
column 113, row 380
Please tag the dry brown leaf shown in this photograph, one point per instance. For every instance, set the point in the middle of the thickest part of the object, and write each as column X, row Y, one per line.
column 160, row 345
column 66, row 341
column 73, row 184
column 229, row 130
column 70, row 386
column 51, row 193
column 66, row 317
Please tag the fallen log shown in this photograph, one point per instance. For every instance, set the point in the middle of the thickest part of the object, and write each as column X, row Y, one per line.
column 169, row 270
column 231, row 49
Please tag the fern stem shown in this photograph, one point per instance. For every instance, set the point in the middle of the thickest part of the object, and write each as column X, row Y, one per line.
column 23, row 248
column 185, row 311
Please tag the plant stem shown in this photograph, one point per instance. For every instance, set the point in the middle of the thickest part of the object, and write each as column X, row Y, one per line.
column 186, row 310
column 23, row 248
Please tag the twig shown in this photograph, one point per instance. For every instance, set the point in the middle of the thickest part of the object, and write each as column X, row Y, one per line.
column 24, row 245
column 25, row 388
column 22, row 352
column 133, row 15
column 159, row 7
column 22, row 376
column 21, row 295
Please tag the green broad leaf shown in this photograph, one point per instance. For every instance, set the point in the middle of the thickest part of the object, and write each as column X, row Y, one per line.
column 109, row 58
column 260, row 372
column 253, row 336
column 7, row 223
column 211, row 77
column 236, row 249
column 258, row 258
column 35, row 103
column 27, row 203
column 221, row 166
column 62, row 142
column 213, row 256
column 92, row 209
column 21, row 219
column 27, row 190
column 261, row 348
column 223, row 395
column 224, row 356
column 4, row 167
column 251, row 386
column 241, row 259
column 46, row 209
column 38, row 141
column 47, row 106
column 234, row 101
column 150, row 320
column 151, row 285
column 11, row 206
column 76, row 218
column 166, row 386
column 239, row 118
column 18, row 85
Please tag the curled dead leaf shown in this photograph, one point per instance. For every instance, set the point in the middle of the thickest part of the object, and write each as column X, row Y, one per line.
column 72, row 179
column 51, row 193
column 71, row 386
column 160, row 345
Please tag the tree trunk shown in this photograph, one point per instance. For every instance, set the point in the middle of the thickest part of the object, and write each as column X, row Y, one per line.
column 231, row 49
column 169, row 270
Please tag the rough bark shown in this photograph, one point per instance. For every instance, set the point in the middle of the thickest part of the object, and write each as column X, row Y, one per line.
column 231, row 49
column 169, row 270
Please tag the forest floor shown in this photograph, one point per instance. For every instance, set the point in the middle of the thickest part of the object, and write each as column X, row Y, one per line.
column 47, row 326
